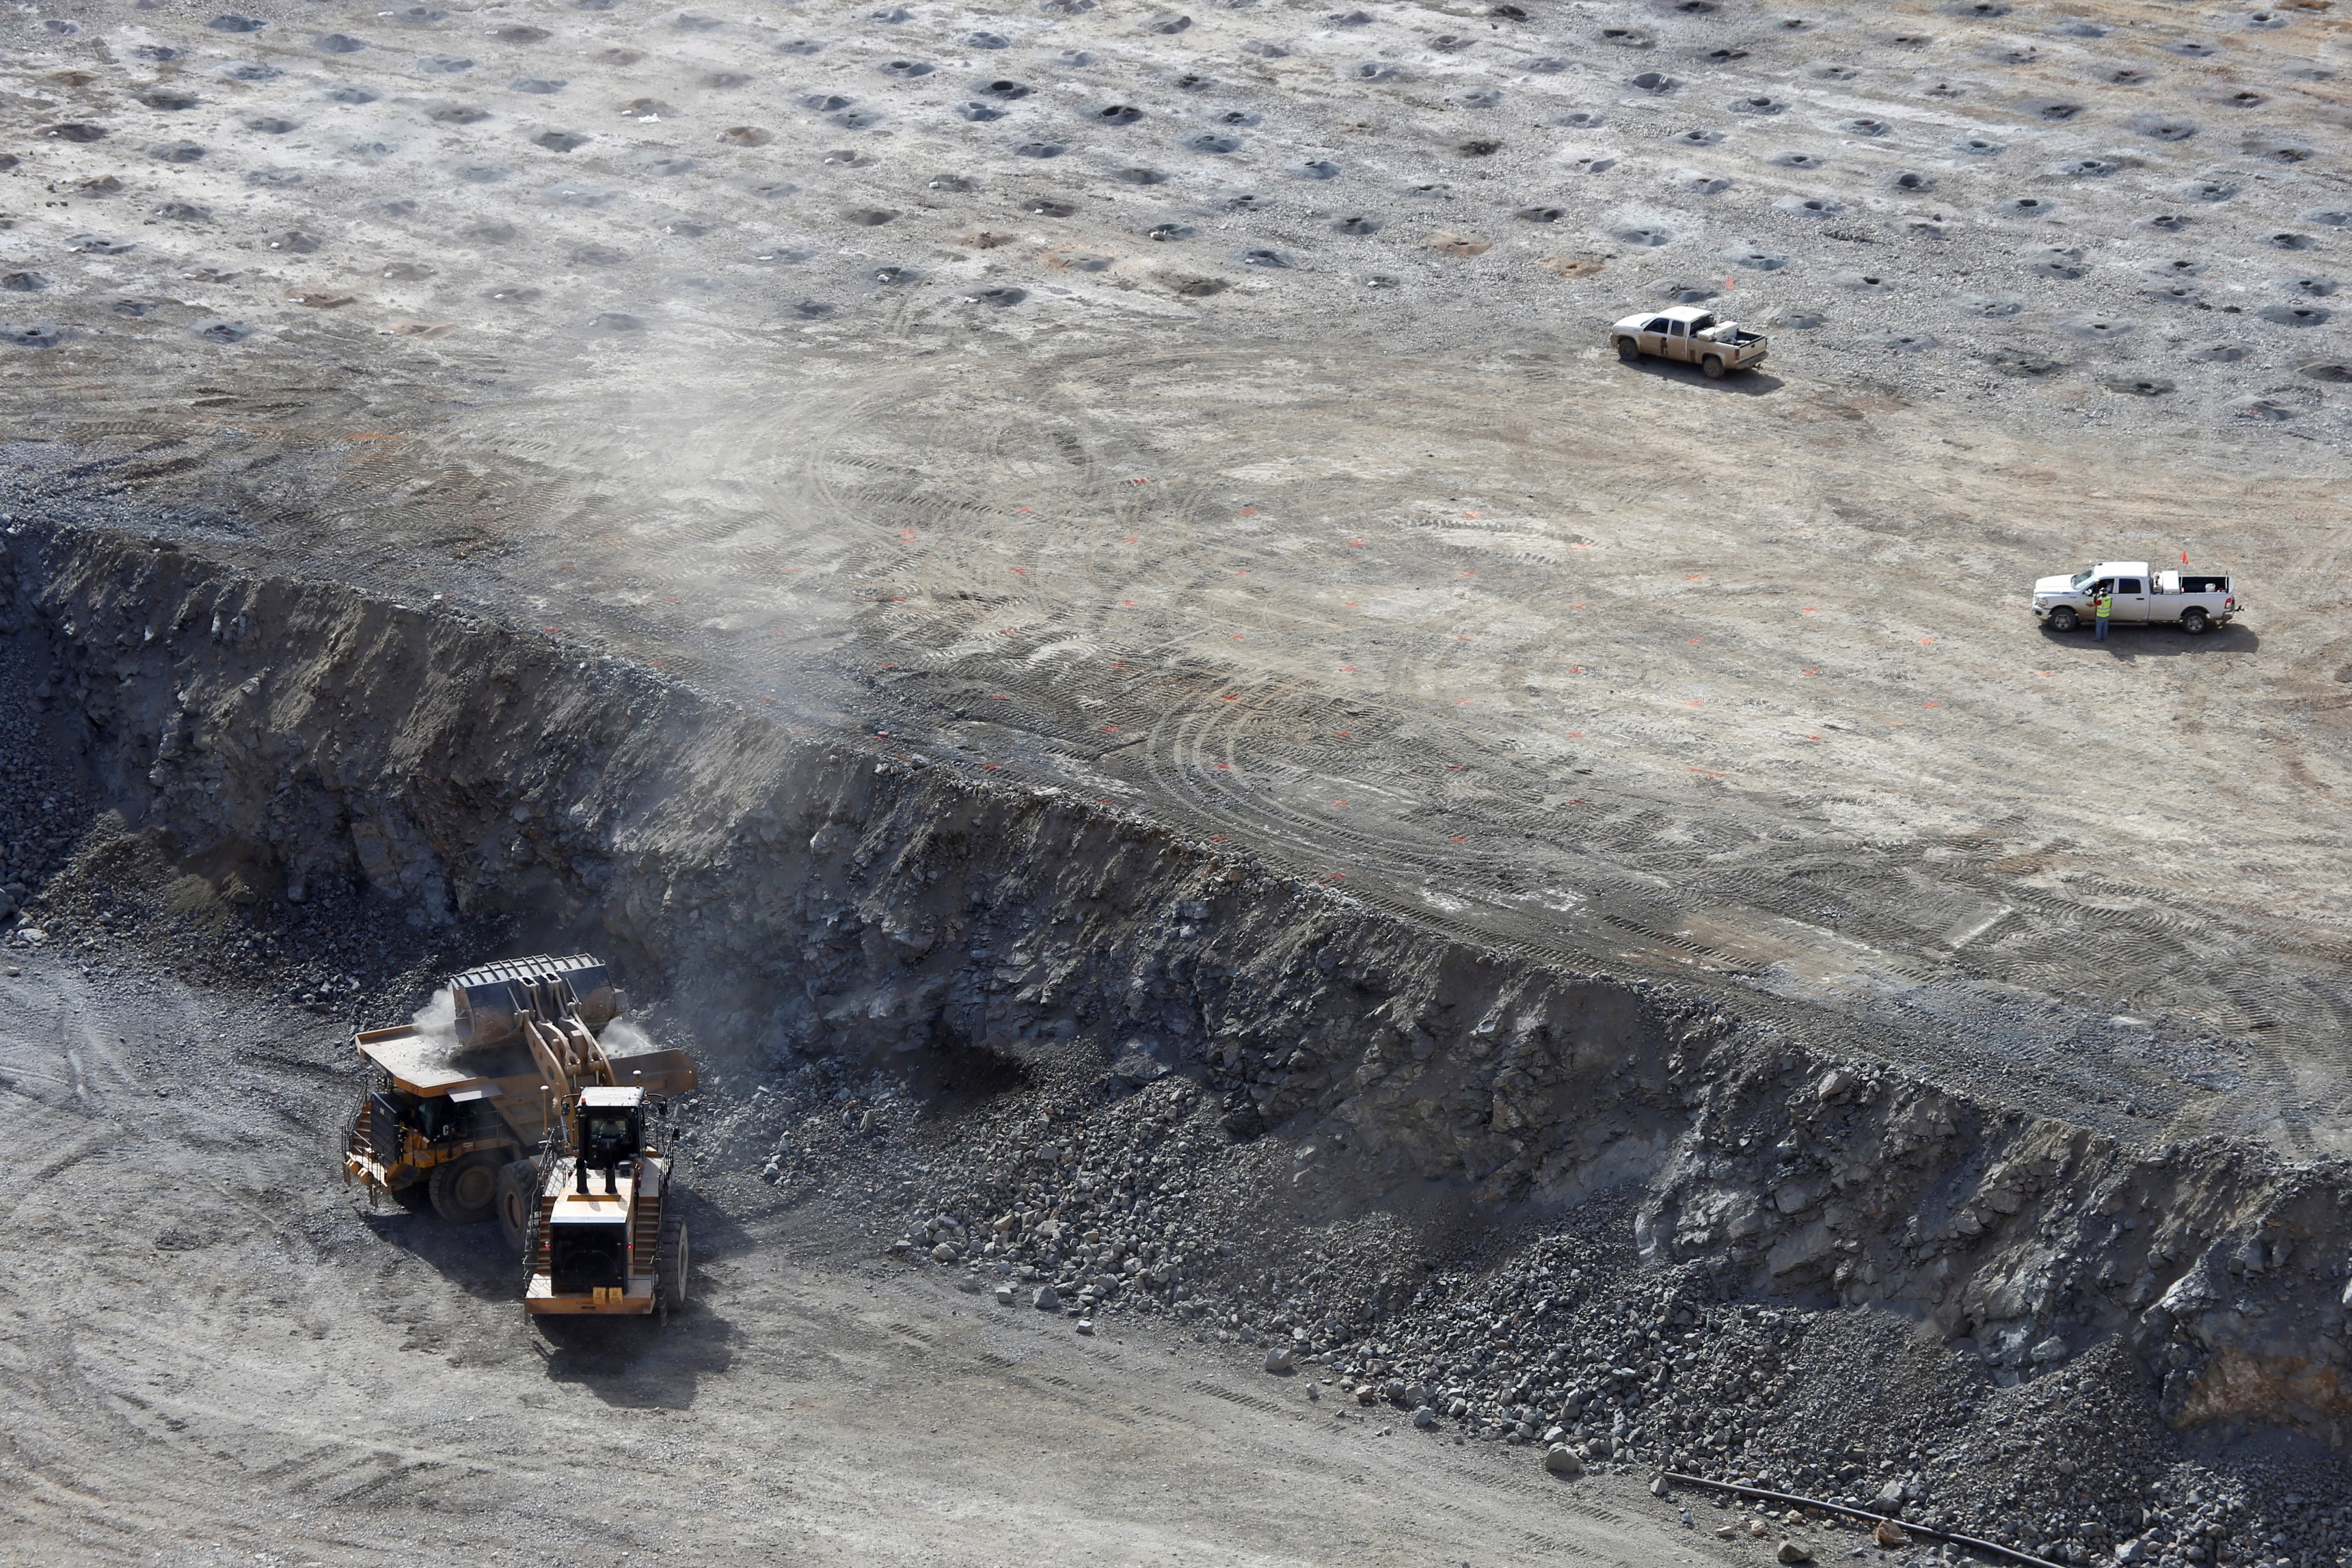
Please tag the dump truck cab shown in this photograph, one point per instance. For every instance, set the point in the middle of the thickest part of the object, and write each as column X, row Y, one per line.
column 607, row 1239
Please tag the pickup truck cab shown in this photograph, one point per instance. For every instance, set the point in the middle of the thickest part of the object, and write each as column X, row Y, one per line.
column 2193, row 601
column 1693, row 335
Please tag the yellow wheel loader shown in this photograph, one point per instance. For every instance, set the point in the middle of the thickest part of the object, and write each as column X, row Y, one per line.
column 470, row 1107
column 606, row 1237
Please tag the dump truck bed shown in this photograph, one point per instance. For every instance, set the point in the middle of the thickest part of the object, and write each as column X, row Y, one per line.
column 427, row 1065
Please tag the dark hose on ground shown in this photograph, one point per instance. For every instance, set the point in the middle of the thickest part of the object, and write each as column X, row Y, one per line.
column 1970, row 1542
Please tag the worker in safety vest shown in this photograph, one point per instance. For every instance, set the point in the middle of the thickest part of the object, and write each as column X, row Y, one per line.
column 2101, row 608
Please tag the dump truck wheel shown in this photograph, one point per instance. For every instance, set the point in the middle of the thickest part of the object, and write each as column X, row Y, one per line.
column 415, row 1197
column 518, row 1193
column 672, row 1264
column 1628, row 350
column 2195, row 622
column 2064, row 619
column 463, row 1189
column 1713, row 367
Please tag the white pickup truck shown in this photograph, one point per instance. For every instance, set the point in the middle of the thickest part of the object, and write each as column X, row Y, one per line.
column 2193, row 601
column 1696, row 336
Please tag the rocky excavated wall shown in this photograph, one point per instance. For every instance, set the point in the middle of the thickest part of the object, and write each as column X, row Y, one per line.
column 808, row 895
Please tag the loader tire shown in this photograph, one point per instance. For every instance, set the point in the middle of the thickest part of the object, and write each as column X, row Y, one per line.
column 1628, row 350
column 517, row 1195
column 673, row 1261
column 463, row 1190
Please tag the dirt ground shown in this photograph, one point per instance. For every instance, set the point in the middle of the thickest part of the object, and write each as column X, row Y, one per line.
column 213, row 1356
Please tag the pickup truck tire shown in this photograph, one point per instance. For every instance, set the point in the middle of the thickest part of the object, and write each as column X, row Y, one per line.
column 2195, row 622
column 2065, row 619
column 1628, row 350
column 1713, row 367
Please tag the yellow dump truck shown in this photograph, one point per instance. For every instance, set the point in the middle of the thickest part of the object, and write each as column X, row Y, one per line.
column 476, row 1101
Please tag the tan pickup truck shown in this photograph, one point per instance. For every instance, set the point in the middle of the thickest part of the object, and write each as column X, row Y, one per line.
column 1693, row 335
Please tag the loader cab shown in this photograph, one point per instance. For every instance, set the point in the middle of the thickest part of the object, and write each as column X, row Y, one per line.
column 612, row 1131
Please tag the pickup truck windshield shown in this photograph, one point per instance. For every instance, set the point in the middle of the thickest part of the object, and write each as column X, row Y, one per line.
column 2082, row 579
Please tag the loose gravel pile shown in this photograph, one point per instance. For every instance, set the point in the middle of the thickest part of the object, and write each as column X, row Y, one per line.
column 1107, row 1200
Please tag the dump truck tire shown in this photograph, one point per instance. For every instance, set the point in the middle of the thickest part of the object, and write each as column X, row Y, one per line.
column 415, row 1197
column 463, row 1189
column 517, row 1195
column 673, row 1261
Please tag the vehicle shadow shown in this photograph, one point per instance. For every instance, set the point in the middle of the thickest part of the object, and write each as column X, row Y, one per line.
column 1746, row 383
column 639, row 1364
column 474, row 1257
column 2158, row 641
